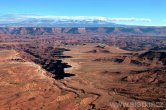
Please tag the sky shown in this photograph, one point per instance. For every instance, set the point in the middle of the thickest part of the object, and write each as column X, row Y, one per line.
column 131, row 12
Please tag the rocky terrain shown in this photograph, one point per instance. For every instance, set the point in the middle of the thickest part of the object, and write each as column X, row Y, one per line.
column 135, row 31
column 82, row 68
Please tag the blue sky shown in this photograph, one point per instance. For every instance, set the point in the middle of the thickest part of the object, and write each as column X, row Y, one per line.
column 124, row 10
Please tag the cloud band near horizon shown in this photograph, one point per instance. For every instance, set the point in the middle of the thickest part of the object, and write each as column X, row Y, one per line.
column 12, row 18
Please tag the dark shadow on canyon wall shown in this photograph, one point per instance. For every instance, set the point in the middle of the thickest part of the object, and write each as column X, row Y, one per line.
column 50, row 59
column 57, row 68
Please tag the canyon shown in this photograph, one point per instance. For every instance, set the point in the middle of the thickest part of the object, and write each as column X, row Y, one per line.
column 71, row 68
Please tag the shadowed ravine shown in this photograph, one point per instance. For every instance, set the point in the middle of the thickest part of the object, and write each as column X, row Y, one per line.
column 54, row 65
column 57, row 68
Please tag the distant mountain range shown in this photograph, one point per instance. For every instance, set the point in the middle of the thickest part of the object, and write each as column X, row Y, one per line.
column 60, row 23
column 51, row 25
column 22, row 20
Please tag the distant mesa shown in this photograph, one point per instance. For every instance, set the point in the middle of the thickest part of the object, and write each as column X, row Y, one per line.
column 99, row 49
column 111, row 30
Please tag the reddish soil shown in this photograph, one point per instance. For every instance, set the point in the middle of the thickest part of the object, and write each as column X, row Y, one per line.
column 85, row 71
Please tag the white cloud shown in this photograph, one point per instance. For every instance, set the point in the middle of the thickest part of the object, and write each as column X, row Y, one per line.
column 12, row 18
column 66, row 17
column 131, row 19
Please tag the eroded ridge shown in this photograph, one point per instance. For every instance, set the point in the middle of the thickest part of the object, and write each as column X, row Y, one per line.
column 25, row 85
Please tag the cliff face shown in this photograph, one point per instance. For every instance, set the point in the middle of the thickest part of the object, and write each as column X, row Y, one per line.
column 147, row 31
